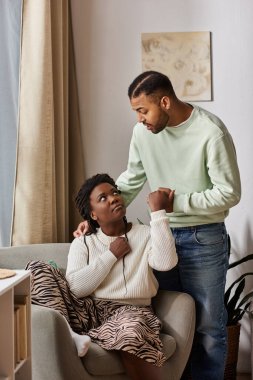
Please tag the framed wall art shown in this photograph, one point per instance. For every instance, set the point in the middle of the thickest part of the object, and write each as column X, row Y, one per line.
column 185, row 57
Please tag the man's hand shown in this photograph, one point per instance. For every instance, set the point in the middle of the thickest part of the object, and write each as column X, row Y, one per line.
column 170, row 198
column 120, row 247
column 82, row 228
column 161, row 199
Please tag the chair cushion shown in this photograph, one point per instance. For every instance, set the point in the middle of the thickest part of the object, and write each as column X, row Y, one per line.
column 96, row 360
column 169, row 345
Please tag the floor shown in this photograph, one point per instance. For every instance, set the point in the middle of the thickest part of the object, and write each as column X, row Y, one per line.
column 243, row 376
column 240, row 376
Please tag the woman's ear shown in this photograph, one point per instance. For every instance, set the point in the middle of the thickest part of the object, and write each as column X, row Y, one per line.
column 93, row 215
column 165, row 103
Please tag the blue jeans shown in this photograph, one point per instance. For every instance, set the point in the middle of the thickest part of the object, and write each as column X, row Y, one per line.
column 201, row 272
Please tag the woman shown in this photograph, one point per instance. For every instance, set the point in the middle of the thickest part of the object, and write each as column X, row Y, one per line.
column 109, row 273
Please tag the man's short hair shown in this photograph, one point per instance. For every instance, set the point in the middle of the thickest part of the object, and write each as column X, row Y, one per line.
column 151, row 83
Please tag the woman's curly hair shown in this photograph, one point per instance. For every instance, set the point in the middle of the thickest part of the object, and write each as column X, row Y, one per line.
column 82, row 200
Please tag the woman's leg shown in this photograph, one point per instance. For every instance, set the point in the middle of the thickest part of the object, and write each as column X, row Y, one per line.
column 49, row 288
column 82, row 342
column 132, row 329
column 139, row 369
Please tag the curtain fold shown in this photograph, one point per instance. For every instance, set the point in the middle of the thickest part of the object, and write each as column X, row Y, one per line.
column 49, row 168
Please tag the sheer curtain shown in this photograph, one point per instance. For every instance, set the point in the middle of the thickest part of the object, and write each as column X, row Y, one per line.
column 10, row 22
column 49, row 165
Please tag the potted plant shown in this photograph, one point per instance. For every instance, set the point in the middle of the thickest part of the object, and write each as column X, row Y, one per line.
column 236, row 305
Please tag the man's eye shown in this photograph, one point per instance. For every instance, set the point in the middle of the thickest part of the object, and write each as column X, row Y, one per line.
column 102, row 199
column 116, row 192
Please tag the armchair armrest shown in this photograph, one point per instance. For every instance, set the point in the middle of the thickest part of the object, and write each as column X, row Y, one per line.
column 176, row 310
column 54, row 355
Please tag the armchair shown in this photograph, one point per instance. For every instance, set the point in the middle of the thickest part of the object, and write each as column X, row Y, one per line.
column 54, row 354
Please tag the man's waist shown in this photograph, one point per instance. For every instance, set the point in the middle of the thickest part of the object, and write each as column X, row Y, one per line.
column 197, row 226
column 187, row 221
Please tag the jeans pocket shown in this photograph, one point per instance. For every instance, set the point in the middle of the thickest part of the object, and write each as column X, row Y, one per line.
column 210, row 235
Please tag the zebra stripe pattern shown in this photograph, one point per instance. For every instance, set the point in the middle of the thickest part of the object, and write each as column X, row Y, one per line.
column 112, row 325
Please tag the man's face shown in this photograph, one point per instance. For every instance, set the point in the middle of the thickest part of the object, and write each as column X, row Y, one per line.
column 151, row 112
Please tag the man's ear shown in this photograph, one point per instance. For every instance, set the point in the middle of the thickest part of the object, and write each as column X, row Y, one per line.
column 165, row 103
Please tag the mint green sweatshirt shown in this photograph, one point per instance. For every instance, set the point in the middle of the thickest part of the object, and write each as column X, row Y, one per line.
column 196, row 158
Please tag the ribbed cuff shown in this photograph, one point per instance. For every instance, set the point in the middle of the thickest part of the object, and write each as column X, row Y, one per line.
column 158, row 214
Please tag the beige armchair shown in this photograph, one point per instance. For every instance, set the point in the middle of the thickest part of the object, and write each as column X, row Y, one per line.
column 54, row 354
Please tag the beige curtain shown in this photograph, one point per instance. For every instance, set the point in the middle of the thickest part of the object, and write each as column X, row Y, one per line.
column 49, row 168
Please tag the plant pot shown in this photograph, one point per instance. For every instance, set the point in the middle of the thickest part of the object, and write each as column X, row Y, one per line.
column 232, row 354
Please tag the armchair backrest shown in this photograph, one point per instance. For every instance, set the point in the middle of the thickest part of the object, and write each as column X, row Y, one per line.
column 18, row 257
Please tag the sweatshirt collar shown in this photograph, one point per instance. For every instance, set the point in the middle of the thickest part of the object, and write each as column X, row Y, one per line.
column 188, row 121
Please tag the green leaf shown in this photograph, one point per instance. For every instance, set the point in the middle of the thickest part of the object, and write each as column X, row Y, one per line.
column 248, row 296
column 238, row 317
column 238, row 262
column 243, row 311
column 228, row 291
column 231, row 304
column 234, row 316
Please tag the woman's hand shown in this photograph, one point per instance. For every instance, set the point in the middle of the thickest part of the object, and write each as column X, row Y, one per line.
column 120, row 247
column 82, row 228
column 161, row 199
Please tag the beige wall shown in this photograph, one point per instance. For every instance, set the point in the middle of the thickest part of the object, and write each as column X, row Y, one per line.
column 108, row 56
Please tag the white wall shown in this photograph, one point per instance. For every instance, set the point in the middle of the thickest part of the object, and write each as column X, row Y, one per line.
column 107, row 38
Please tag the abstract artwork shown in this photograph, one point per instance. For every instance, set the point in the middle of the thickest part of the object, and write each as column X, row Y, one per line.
column 185, row 57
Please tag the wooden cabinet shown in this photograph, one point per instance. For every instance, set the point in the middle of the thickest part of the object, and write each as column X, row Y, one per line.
column 15, row 327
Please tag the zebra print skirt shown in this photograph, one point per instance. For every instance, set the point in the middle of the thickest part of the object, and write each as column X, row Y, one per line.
column 112, row 325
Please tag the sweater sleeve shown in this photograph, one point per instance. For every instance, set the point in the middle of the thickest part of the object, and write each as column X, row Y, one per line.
column 162, row 254
column 225, row 178
column 131, row 181
column 82, row 277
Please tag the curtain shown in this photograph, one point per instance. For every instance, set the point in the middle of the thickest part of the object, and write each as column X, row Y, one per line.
column 49, row 166
column 10, row 21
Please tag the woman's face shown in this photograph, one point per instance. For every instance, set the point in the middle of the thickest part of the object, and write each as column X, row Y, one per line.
column 107, row 205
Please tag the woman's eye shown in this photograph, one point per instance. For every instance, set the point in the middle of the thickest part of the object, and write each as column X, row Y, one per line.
column 102, row 199
column 115, row 192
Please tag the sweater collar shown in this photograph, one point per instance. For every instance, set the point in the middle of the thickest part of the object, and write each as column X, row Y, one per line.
column 188, row 121
column 107, row 240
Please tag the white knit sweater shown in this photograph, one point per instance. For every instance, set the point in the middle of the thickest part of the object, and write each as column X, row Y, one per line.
column 129, row 280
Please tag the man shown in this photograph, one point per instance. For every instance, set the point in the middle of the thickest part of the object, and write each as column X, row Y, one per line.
column 183, row 147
